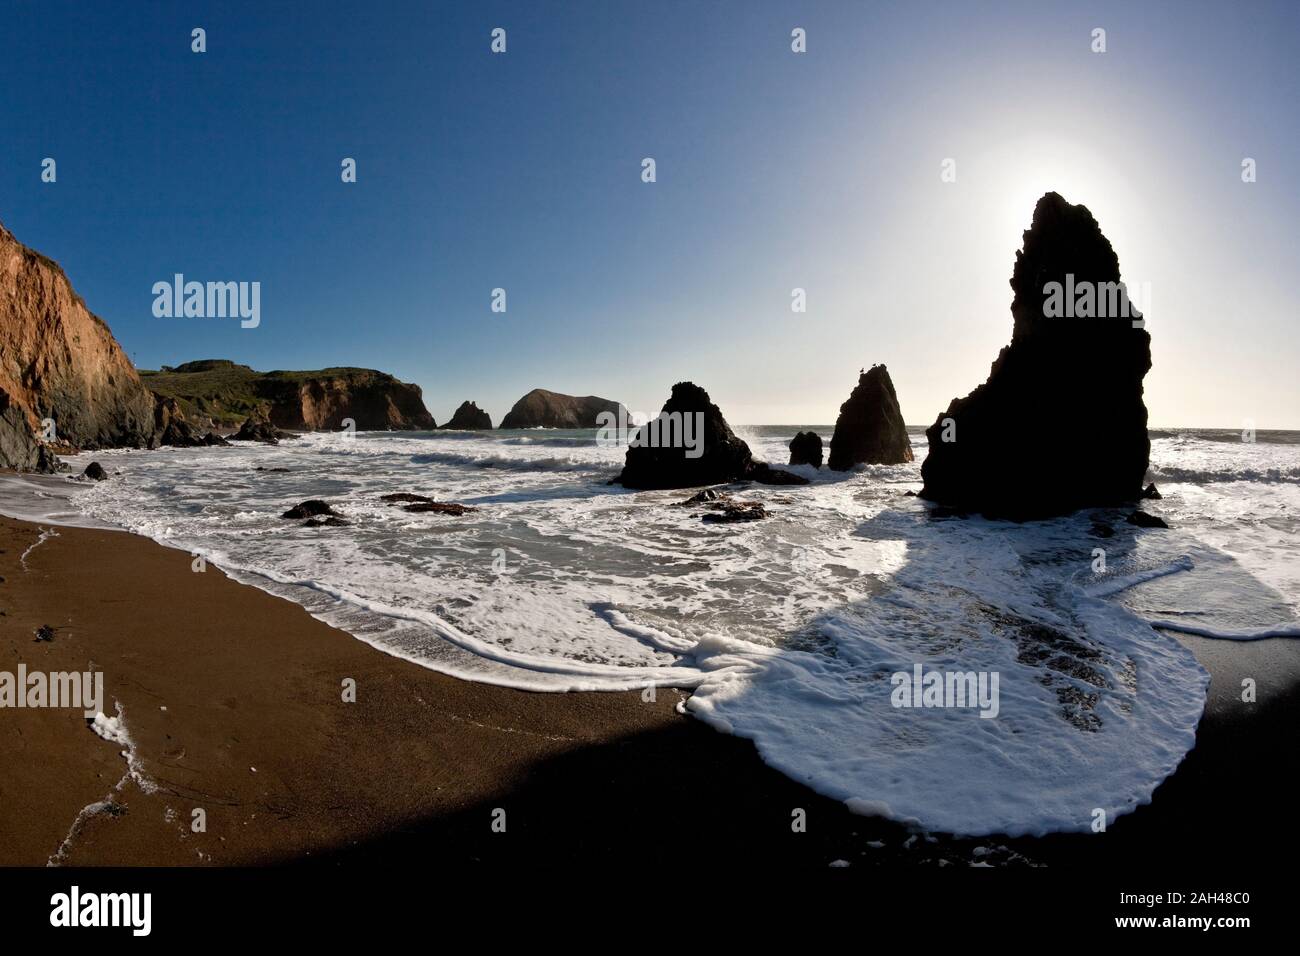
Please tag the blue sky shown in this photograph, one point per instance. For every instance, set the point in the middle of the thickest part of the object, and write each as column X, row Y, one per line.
column 775, row 170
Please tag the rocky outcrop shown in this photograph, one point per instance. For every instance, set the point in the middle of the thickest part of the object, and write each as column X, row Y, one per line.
column 170, row 425
column 543, row 409
column 870, row 428
column 469, row 418
column 257, row 429
column 59, row 361
column 1144, row 520
column 223, row 393
column 722, row 457
column 311, row 508
column 1062, row 401
column 19, row 448
column 423, row 504
column 806, row 449
column 95, row 472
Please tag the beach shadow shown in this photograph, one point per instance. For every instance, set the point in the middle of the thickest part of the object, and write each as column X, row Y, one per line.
column 682, row 792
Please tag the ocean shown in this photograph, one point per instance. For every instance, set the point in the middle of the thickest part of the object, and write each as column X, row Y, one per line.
column 788, row 631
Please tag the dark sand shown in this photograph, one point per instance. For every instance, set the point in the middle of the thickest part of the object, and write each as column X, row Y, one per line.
column 233, row 699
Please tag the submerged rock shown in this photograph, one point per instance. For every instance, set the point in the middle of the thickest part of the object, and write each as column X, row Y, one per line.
column 333, row 521
column 403, row 496
column 440, row 507
column 1064, row 399
column 310, row 509
column 469, row 417
column 702, row 497
column 719, row 457
column 1144, row 520
column 806, row 449
column 870, row 428
column 731, row 512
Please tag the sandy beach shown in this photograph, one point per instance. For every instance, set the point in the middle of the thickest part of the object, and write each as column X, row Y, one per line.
column 233, row 702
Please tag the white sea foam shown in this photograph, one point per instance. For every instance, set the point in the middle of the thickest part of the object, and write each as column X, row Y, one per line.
column 787, row 629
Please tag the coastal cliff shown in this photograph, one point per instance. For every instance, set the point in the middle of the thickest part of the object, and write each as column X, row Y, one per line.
column 59, row 361
column 219, row 393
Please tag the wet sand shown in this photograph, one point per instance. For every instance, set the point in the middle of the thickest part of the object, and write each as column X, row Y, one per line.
column 234, row 703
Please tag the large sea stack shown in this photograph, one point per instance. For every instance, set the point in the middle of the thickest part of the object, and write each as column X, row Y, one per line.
column 722, row 457
column 59, row 361
column 543, row 409
column 870, row 428
column 1060, row 424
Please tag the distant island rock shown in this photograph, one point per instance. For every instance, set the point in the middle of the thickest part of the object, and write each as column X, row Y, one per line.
column 1060, row 424
column 543, row 409
column 222, row 394
column 469, row 418
column 806, row 449
column 61, row 363
column 870, row 428
column 723, row 456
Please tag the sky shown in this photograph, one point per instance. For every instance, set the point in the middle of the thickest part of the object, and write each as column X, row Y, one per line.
column 775, row 170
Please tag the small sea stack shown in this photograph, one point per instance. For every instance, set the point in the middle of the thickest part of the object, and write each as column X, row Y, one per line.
column 690, row 444
column 469, row 418
column 543, row 409
column 1060, row 424
column 806, row 449
column 870, row 429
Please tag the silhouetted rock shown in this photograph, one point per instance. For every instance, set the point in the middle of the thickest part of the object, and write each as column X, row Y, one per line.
column 765, row 474
column 870, row 428
column 469, row 417
column 95, row 472
column 1144, row 520
column 1063, row 400
column 1151, row 492
column 403, row 496
column 311, row 509
column 543, row 409
column 719, row 456
column 806, row 449
column 212, row 438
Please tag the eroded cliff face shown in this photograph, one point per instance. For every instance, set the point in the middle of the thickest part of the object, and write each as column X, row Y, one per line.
column 373, row 400
column 219, row 393
column 58, row 360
